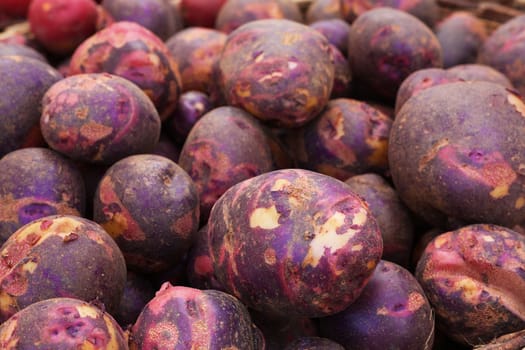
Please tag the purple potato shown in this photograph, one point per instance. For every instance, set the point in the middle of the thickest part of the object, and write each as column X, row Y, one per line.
column 167, row 148
column 235, row 13
column 280, row 148
column 132, row 52
column 461, row 35
column 192, row 105
column 420, row 80
column 226, row 146
column 427, row 11
column 24, row 82
column 392, row 312
column 60, row 256
column 155, row 15
column 187, row 318
column 99, row 118
column 7, row 49
column 348, row 138
column 62, row 323
column 293, row 243
column 393, row 218
column 313, row 343
column 387, row 45
column 342, row 75
column 280, row 71
column 456, row 156
column 319, row 10
column 480, row 72
column 150, row 206
column 199, row 268
column 504, row 51
column 335, row 30
column 196, row 50
column 34, row 183
column 474, row 280
column 138, row 291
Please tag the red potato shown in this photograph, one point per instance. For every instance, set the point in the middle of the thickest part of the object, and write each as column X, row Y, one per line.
column 150, row 206
column 60, row 256
column 35, row 183
column 15, row 8
column 293, row 243
column 99, row 118
column 128, row 50
column 280, row 71
column 187, row 318
column 235, row 13
column 474, row 280
column 62, row 323
column 225, row 146
column 387, row 45
column 200, row 13
column 61, row 25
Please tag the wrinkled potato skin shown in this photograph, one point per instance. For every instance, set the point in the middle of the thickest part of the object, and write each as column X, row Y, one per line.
column 456, row 154
column 293, row 243
column 34, row 183
column 60, row 324
column 60, row 256
column 280, row 71
column 474, row 280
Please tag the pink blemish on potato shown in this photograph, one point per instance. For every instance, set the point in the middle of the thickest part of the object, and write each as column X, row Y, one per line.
column 95, row 132
column 33, row 238
column 184, row 226
column 517, row 102
column 491, row 169
column 414, row 302
column 270, row 256
column 203, row 265
column 162, row 335
column 512, row 42
column 15, row 283
column 167, row 292
column 11, row 206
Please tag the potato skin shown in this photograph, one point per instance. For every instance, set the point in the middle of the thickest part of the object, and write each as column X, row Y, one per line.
column 280, row 71
column 133, row 52
column 392, row 312
column 150, row 206
column 187, row 318
column 225, row 146
column 60, row 256
column 480, row 72
column 323, row 9
column 386, row 45
column 61, row 324
column 12, row 49
column 99, row 118
column 313, row 343
column 335, row 30
column 456, row 154
column 138, row 291
column 34, row 183
column 293, row 243
column 24, row 82
column 474, row 280
column 348, row 138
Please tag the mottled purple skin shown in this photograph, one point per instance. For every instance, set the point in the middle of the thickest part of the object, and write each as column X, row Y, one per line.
column 192, row 105
column 480, row 72
column 474, row 278
column 313, row 343
column 199, row 268
column 420, row 80
column 392, row 312
column 335, row 30
column 133, row 52
column 504, row 51
column 24, row 82
column 456, row 154
column 461, row 35
column 387, row 45
column 391, row 214
column 342, row 75
column 426, row 10
column 98, row 118
column 7, row 49
column 60, row 256
column 138, row 291
column 278, row 332
column 184, row 318
column 280, row 71
column 62, row 324
column 196, row 50
column 150, row 206
column 349, row 138
column 235, row 13
column 225, row 146
column 155, row 15
column 319, row 10
column 293, row 243
column 37, row 182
